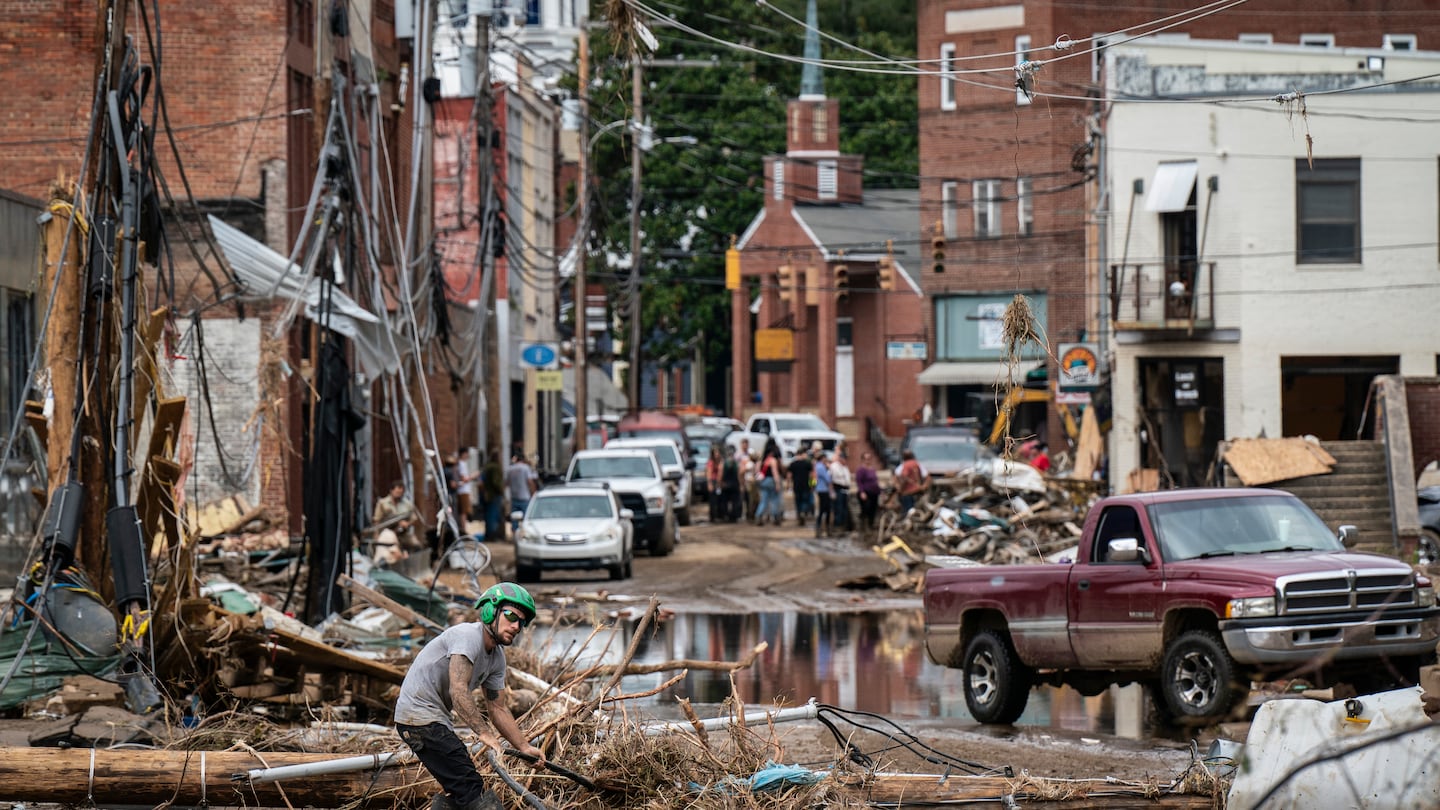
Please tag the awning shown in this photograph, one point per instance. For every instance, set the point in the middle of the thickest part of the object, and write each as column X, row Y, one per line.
column 984, row 372
column 1171, row 186
column 260, row 269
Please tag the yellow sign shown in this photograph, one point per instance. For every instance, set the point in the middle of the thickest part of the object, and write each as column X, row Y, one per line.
column 549, row 381
column 732, row 269
column 774, row 344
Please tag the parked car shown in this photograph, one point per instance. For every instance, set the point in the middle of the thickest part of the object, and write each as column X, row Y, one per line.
column 1429, row 502
column 672, row 465
column 947, row 451
column 1192, row 593
column 636, row 478
column 793, row 432
column 577, row 526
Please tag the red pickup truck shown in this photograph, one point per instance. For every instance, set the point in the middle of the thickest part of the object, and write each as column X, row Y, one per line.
column 1191, row 593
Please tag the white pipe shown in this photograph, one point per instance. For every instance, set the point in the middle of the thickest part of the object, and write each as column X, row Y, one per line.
column 341, row 726
column 364, row 762
column 809, row 711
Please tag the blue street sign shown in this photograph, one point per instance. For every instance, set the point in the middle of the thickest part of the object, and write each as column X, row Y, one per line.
column 538, row 355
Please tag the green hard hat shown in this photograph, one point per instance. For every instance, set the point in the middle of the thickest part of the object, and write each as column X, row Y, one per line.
column 500, row 593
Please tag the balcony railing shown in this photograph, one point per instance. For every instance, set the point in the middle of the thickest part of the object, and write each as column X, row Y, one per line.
column 1163, row 295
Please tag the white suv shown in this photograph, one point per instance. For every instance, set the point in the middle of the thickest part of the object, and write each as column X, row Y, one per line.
column 580, row 526
column 672, row 466
column 635, row 477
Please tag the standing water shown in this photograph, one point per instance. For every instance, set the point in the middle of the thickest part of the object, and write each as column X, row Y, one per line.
column 872, row 662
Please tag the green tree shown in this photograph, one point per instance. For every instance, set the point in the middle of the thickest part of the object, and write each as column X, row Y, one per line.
column 695, row 197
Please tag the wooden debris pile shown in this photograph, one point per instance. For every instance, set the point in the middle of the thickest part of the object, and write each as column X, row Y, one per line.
column 1017, row 516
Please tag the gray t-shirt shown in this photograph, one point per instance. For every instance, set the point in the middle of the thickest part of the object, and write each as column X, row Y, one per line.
column 425, row 694
column 517, row 478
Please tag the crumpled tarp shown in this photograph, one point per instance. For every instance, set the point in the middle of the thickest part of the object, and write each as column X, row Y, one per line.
column 773, row 776
column 44, row 667
column 412, row 594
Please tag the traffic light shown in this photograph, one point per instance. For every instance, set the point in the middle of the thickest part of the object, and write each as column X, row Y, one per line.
column 937, row 247
column 885, row 272
column 842, row 283
column 787, row 281
column 732, row 267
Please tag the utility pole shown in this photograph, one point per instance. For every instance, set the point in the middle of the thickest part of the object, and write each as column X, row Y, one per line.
column 491, row 338
column 581, row 433
column 637, row 121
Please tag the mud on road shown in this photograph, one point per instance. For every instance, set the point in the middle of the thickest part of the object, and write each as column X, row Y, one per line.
column 738, row 568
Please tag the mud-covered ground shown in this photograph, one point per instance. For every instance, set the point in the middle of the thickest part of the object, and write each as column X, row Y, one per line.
column 739, row 568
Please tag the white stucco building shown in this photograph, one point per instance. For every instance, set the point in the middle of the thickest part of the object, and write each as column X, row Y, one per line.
column 1250, row 291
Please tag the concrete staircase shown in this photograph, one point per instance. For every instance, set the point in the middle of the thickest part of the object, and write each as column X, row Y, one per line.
column 1356, row 492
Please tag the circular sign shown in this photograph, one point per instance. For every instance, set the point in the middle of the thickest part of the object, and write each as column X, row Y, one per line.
column 538, row 355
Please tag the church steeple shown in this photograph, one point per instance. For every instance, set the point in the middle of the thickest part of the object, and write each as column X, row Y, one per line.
column 812, row 82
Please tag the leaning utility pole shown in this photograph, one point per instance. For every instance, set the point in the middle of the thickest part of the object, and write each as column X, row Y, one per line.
column 579, row 296
column 485, row 164
column 637, row 122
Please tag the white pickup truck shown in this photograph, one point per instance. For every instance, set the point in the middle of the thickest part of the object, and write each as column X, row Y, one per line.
column 793, row 432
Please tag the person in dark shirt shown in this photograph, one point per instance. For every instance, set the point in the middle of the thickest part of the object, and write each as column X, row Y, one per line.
column 730, row 507
column 800, row 471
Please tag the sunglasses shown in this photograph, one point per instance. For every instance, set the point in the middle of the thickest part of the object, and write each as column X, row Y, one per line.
column 515, row 617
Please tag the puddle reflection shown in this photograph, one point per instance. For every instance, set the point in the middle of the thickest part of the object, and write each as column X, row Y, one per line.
column 873, row 662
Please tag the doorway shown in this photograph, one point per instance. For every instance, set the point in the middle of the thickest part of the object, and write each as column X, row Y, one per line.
column 1329, row 397
column 844, row 367
column 1181, row 417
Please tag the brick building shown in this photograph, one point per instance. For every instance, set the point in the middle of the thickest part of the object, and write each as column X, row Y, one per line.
column 1009, row 176
column 827, row 267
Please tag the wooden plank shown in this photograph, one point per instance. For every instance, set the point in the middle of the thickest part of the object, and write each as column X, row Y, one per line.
column 323, row 655
column 147, row 372
column 989, row 791
column 1263, row 461
column 35, row 417
column 379, row 599
column 1091, row 446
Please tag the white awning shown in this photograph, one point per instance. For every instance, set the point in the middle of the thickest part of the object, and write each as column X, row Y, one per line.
column 1171, row 186
column 260, row 269
column 984, row 372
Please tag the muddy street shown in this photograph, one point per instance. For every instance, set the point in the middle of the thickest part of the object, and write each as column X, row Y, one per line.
column 739, row 567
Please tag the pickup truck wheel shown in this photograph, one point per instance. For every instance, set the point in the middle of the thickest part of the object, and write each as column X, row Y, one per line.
column 997, row 685
column 1198, row 678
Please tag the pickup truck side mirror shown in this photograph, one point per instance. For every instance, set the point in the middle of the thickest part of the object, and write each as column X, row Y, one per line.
column 627, row 514
column 1126, row 549
column 673, row 475
column 1348, row 535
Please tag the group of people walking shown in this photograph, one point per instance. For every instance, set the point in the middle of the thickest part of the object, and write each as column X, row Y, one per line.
column 750, row 485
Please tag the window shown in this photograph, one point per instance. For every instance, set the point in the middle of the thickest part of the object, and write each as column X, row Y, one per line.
column 1327, row 211
column 777, row 179
column 1399, row 42
column 825, row 179
column 819, row 124
column 1024, row 207
column 950, row 209
column 1318, row 40
column 1022, row 54
column 532, row 12
column 1257, row 39
column 986, row 201
column 947, row 77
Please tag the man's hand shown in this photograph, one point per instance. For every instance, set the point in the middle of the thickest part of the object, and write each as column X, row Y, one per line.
column 532, row 751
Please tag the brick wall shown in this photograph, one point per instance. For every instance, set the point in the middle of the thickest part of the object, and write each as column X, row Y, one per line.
column 1422, row 397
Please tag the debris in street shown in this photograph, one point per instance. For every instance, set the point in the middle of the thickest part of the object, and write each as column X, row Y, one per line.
column 1012, row 514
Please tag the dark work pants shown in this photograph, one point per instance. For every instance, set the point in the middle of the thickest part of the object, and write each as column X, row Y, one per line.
column 446, row 758
column 822, row 516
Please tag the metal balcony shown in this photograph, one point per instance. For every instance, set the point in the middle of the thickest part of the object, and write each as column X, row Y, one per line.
column 1175, row 298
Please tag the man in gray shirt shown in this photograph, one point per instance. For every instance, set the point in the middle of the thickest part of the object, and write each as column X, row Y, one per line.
column 520, row 482
column 441, row 680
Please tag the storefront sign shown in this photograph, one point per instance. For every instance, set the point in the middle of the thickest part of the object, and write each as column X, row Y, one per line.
column 774, row 344
column 1079, row 366
column 906, row 350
